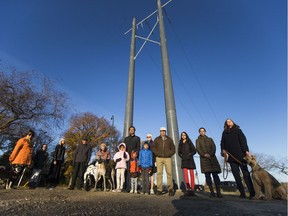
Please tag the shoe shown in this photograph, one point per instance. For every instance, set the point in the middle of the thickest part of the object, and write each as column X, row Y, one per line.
column 136, row 191
column 252, row 195
column 171, row 192
column 141, row 192
column 159, row 193
column 151, row 191
column 189, row 193
column 242, row 196
column 131, row 191
column 69, row 188
column 79, row 188
column 119, row 190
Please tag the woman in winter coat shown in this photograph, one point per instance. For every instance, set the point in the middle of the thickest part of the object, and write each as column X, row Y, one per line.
column 56, row 164
column 21, row 156
column 186, row 150
column 39, row 160
column 234, row 144
column 103, row 154
column 208, row 161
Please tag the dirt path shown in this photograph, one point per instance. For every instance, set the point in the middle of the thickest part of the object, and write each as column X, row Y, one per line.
column 61, row 201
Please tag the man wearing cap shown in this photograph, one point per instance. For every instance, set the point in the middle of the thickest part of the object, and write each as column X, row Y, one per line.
column 132, row 144
column 81, row 158
column 164, row 148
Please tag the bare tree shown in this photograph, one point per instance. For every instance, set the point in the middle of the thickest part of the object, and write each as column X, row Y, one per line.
column 269, row 163
column 28, row 100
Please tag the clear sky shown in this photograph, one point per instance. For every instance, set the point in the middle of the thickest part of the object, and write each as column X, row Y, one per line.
column 228, row 58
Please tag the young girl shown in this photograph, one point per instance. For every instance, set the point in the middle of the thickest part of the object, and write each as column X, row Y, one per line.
column 134, row 172
column 121, row 157
column 186, row 151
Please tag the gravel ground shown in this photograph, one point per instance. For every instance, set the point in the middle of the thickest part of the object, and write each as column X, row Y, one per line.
column 61, row 201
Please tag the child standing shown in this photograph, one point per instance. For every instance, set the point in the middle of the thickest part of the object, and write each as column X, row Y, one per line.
column 145, row 166
column 121, row 157
column 134, row 172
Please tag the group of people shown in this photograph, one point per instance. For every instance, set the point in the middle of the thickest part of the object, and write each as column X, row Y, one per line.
column 133, row 160
column 22, row 157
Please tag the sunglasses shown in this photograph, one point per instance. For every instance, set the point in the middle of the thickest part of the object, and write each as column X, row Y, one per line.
column 148, row 137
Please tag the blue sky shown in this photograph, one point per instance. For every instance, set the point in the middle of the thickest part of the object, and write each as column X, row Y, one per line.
column 228, row 58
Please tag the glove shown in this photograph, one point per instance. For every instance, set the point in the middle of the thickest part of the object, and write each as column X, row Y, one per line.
column 140, row 170
column 124, row 155
column 118, row 159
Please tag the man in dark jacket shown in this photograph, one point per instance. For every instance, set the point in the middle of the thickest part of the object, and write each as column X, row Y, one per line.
column 234, row 145
column 81, row 159
column 164, row 148
column 132, row 144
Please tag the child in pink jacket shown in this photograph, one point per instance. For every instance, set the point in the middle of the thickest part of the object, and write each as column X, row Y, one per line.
column 121, row 158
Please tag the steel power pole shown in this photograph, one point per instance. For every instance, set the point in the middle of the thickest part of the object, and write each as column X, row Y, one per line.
column 130, row 91
column 171, row 119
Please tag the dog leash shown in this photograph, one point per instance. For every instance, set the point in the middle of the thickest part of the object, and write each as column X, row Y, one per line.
column 225, row 165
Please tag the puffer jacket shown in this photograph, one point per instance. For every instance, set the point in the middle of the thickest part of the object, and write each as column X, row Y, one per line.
column 120, row 154
column 145, row 158
column 22, row 152
column 206, row 145
column 163, row 148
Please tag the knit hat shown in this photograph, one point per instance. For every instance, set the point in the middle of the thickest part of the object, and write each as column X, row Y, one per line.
column 149, row 135
column 62, row 139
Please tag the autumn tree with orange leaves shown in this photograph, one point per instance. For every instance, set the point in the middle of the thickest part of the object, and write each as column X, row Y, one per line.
column 87, row 125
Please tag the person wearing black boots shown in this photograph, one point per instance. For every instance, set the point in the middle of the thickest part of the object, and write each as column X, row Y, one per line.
column 208, row 161
column 234, row 146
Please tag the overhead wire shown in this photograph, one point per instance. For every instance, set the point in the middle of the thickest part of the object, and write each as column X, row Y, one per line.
column 190, row 65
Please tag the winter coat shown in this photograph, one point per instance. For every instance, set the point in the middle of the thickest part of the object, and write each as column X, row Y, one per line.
column 145, row 158
column 205, row 145
column 163, row 148
column 104, row 155
column 132, row 144
column 153, row 155
column 120, row 154
column 134, row 165
column 82, row 153
column 59, row 153
column 234, row 142
column 22, row 152
column 39, row 159
column 186, row 151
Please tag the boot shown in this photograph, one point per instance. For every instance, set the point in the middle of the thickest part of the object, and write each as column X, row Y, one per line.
column 212, row 194
column 218, row 190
